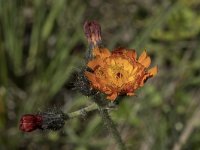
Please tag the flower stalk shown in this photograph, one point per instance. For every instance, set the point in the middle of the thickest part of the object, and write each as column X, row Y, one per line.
column 82, row 111
column 111, row 127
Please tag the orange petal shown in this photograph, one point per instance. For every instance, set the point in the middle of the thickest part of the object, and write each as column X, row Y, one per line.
column 144, row 79
column 105, row 52
column 130, row 94
column 107, row 91
column 112, row 97
column 146, row 62
column 131, row 53
column 95, row 62
column 153, row 71
column 102, row 84
column 96, row 51
column 101, row 52
column 142, row 56
column 91, row 77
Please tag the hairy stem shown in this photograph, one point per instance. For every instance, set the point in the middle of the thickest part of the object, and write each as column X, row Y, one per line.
column 106, row 118
column 112, row 128
column 82, row 111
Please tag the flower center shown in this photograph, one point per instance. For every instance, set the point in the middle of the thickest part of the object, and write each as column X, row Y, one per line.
column 119, row 75
column 119, row 72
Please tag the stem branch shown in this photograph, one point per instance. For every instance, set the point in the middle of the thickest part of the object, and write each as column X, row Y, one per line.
column 106, row 118
column 82, row 111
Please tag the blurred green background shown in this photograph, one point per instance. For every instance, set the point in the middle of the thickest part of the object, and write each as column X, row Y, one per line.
column 42, row 44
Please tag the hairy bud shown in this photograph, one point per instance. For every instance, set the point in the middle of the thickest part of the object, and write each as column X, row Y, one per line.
column 29, row 122
column 93, row 32
column 43, row 121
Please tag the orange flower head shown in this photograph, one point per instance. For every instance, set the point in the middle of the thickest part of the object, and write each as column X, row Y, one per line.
column 118, row 72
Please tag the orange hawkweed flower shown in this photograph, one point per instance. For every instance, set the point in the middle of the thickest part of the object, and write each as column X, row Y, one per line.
column 118, row 72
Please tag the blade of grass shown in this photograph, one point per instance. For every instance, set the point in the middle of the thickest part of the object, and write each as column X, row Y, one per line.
column 155, row 23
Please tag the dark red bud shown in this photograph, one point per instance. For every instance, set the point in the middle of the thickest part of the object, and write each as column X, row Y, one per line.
column 52, row 120
column 93, row 32
column 29, row 123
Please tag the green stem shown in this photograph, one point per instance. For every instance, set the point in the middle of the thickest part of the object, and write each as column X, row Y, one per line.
column 111, row 127
column 83, row 111
column 106, row 118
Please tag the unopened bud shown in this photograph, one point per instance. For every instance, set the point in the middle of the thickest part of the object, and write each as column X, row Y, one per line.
column 29, row 123
column 93, row 32
column 43, row 121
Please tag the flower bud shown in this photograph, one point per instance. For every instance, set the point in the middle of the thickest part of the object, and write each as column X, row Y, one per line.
column 29, row 123
column 93, row 32
column 43, row 121
column 52, row 120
